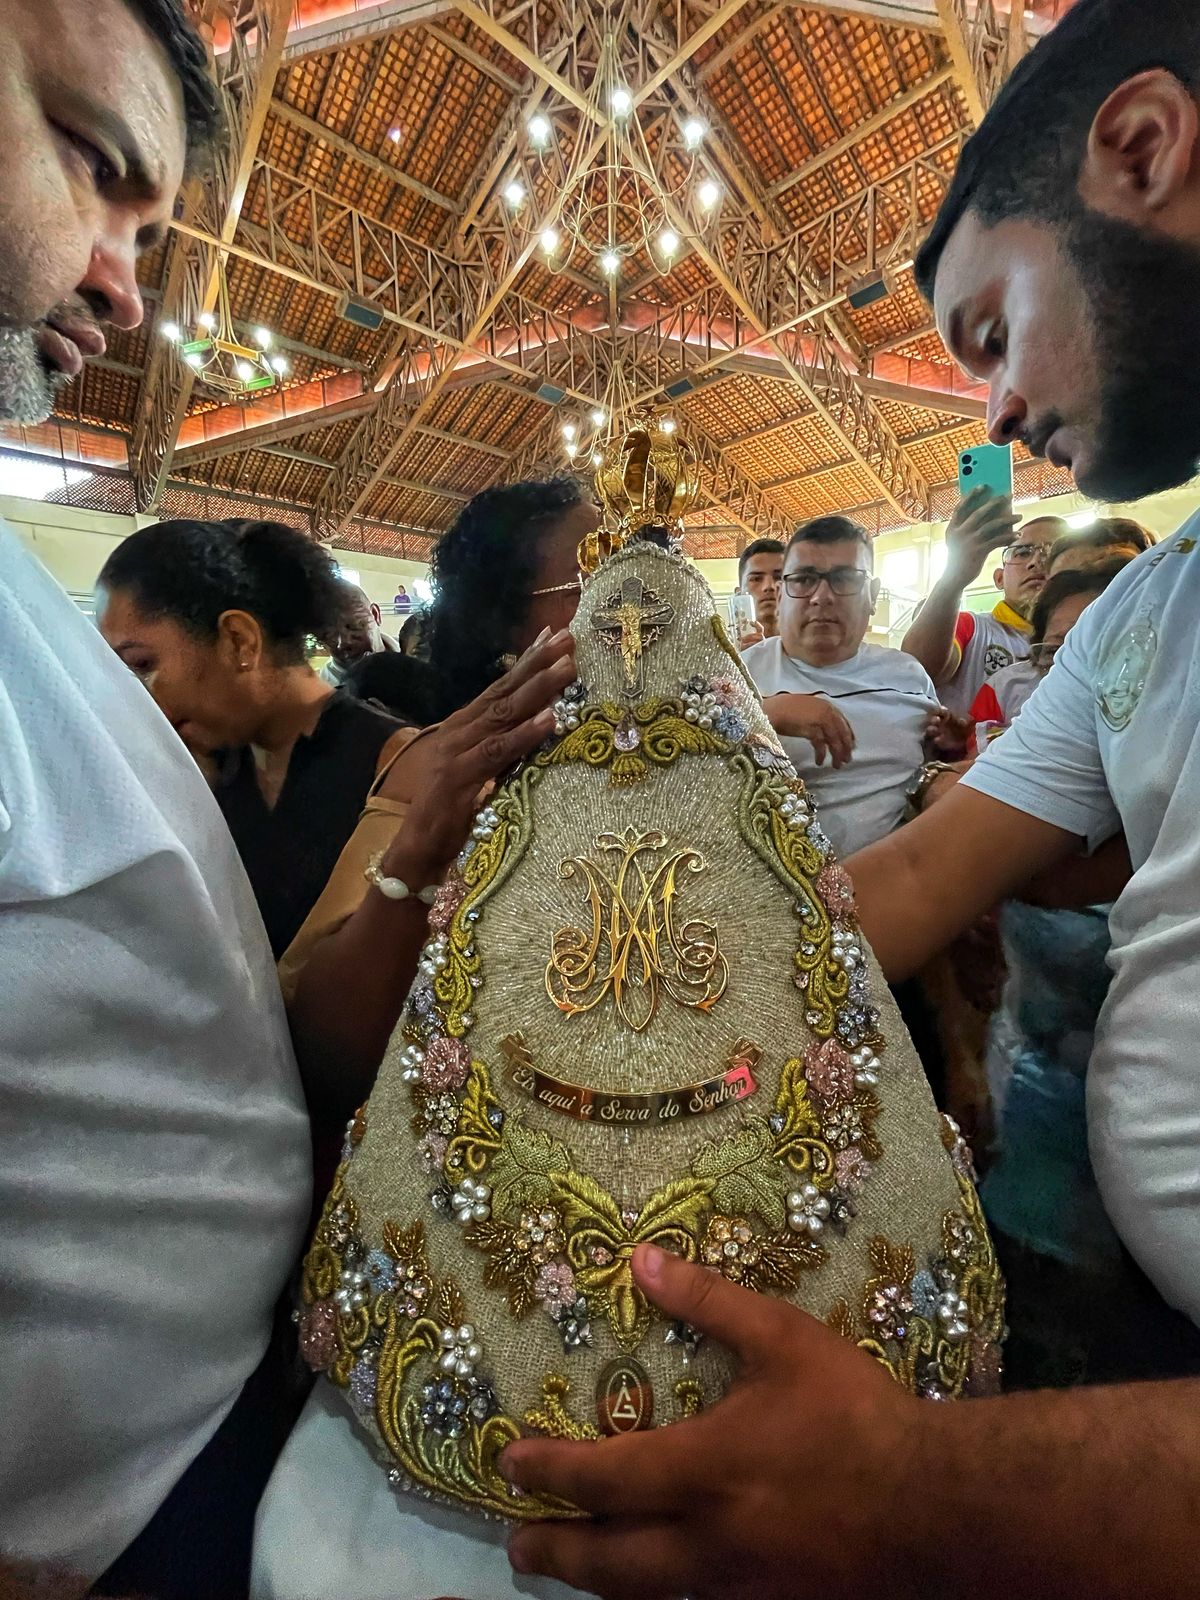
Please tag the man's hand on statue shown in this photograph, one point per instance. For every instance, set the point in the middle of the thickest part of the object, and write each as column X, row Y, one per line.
column 807, row 1477
column 983, row 522
column 813, row 717
column 471, row 749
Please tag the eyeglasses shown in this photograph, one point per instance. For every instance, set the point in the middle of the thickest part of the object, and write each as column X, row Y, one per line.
column 1028, row 554
column 574, row 587
column 1042, row 656
column 842, row 581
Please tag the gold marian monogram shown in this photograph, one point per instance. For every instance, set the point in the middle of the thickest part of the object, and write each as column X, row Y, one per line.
column 635, row 930
column 630, row 622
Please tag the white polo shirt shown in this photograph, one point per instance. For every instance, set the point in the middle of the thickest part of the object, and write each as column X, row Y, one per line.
column 1111, row 740
column 154, row 1149
column 887, row 698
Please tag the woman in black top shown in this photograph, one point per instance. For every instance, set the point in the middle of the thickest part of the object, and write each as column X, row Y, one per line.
column 215, row 617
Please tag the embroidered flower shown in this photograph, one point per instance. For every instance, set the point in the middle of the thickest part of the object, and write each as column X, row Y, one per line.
column 925, row 1294
column 958, row 1237
column 888, row 1308
column 431, row 1151
column 364, row 1380
column 449, row 897
column 724, row 691
column 836, row 889
column 542, row 1234
column 317, row 1325
column 444, row 1406
column 829, row 1071
column 730, row 1247
column 852, row 1169
column 807, row 1210
column 447, row 1062
column 730, row 725
column 574, row 1324
column 440, row 1113
column 381, row 1271
column 555, row 1287
column 843, row 1126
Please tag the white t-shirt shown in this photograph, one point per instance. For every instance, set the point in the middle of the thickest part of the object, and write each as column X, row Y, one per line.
column 887, row 698
column 154, row 1150
column 984, row 643
column 1111, row 740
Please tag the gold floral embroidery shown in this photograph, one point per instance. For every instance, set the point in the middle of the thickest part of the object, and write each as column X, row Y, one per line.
column 628, row 740
column 775, row 1263
column 689, row 1398
column 480, row 1119
column 796, row 861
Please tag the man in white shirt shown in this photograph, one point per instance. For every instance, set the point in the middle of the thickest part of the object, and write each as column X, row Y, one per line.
column 1063, row 269
column 760, row 575
column 154, row 1148
column 853, row 716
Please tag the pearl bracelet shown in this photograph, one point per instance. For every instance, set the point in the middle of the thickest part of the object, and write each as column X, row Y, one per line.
column 396, row 888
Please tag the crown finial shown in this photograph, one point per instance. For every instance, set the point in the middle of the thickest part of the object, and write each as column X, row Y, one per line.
column 647, row 478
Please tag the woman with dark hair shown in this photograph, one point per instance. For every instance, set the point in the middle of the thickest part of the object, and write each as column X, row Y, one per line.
column 507, row 587
column 215, row 618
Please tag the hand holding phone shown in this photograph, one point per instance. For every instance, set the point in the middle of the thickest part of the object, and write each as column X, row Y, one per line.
column 986, row 466
column 742, row 619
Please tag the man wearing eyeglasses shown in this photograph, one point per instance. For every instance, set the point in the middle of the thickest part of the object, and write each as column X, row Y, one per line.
column 853, row 716
column 960, row 649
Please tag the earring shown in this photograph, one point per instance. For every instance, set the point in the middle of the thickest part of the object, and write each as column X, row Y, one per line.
column 243, row 666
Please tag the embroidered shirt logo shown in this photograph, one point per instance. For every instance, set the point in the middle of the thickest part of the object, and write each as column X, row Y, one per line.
column 1124, row 675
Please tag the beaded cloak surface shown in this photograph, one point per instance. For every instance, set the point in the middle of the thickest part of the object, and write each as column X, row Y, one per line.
column 645, row 1013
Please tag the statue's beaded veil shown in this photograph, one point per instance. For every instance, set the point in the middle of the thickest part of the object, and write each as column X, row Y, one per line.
column 645, row 1012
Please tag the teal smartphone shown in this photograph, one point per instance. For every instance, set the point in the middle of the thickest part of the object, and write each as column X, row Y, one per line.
column 985, row 466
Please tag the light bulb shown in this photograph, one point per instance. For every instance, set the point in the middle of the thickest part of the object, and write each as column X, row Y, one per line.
column 569, row 430
column 207, row 321
column 262, row 338
column 549, row 240
column 667, row 425
column 514, row 193
column 395, row 135
column 709, row 193
column 668, row 242
column 279, row 364
column 170, row 330
column 693, row 132
column 193, row 359
column 539, row 131
column 598, row 418
column 621, row 101
column 245, row 371
column 610, row 263
column 597, row 458
column 572, row 449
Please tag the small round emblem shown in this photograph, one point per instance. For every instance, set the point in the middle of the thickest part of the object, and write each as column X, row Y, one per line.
column 624, row 1397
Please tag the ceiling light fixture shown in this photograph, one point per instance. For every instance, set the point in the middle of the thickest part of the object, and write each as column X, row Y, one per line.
column 610, row 263
column 693, row 133
column 550, row 240
column 620, row 100
column 539, row 131
column 514, row 193
column 708, row 194
column 668, row 242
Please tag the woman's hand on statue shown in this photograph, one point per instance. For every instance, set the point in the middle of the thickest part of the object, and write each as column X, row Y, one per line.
column 473, row 748
column 810, row 1476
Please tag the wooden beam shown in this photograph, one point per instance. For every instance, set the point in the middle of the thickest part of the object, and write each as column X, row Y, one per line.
column 373, row 163
column 460, row 48
column 899, row 340
column 268, row 433
column 687, row 50
column 367, row 22
column 520, row 51
column 468, row 444
column 738, row 43
column 960, row 57
column 954, row 405
column 888, row 113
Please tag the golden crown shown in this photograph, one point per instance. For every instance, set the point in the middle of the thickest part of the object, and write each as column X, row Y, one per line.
column 647, row 478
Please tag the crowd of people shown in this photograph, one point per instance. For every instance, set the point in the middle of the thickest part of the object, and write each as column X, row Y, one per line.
column 214, row 896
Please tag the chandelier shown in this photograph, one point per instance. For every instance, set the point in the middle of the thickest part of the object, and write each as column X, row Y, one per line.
column 631, row 197
column 219, row 358
column 591, row 434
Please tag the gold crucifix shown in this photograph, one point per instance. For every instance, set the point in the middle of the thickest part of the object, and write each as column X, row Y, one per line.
column 630, row 622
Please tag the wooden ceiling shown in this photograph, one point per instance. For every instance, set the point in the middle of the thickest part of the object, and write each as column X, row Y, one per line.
column 371, row 140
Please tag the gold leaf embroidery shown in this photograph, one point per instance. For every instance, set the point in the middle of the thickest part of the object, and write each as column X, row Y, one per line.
column 800, row 1142
column 602, row 1242
column 743, row 1171
column 525, row 1166
column 476, row 1137
column 509, row 1267
column 552, row 1418
column 660, row 728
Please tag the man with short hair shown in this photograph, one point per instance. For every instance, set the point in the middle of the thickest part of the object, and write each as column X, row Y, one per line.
column 960, row 649
column 360, row 634
column 829, row 693
column 760, row 569
column 1063, row 269
column 155, row 1169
